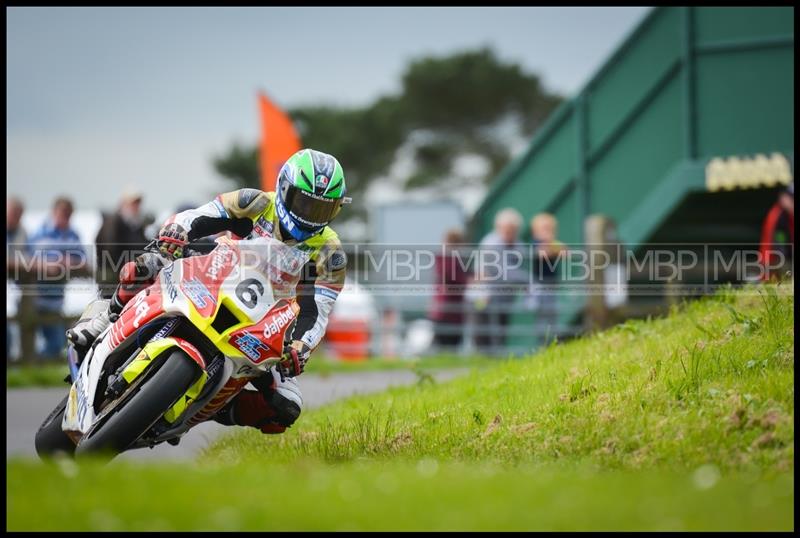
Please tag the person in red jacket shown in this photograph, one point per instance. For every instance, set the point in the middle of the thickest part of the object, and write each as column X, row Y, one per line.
column 777, row 234
column 447, row 308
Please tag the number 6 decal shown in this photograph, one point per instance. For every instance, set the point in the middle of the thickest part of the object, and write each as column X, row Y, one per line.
column 248, row 291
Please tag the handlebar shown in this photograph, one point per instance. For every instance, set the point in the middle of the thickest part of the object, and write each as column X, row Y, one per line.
column 197, row 248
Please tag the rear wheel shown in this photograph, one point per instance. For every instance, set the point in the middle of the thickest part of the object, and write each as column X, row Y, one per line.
column 50, row 438
column 143, row 408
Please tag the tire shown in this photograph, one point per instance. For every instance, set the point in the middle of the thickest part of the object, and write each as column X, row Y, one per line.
column 156, row 395
column 50, row 438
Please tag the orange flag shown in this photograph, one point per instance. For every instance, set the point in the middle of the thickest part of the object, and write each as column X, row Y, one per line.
column 279, row 141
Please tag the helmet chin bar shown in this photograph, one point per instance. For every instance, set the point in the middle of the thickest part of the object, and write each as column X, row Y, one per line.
column 301, row 234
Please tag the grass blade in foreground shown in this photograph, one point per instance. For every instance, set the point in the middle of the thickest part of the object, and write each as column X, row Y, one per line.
column 390, row 496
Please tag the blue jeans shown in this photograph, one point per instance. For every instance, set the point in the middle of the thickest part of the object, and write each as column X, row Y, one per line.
column 547, row 318
column 54, row 340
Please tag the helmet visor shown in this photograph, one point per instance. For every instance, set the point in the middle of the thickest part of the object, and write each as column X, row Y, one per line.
column 309, row 210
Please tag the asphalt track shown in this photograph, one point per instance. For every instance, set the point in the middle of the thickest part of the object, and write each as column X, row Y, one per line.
column 27, row 408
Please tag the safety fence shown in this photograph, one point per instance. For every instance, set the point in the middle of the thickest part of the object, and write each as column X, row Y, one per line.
column 381, row 313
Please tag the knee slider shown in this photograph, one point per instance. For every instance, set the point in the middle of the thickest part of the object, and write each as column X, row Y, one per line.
column 286, row 410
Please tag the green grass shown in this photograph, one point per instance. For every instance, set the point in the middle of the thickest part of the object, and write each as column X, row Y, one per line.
column 424, row 495
column 681, row 423
column 40, row 375
column 714, row 383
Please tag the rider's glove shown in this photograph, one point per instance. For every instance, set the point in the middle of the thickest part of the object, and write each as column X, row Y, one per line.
column 295, row 357
column 171, row 239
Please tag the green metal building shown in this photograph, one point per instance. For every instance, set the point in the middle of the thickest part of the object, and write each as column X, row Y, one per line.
column 684, row 134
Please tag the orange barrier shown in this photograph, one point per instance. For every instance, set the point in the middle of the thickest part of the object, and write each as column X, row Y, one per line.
column 348, row 339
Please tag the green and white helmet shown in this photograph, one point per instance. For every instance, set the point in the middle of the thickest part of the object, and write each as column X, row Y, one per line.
column 310, row 192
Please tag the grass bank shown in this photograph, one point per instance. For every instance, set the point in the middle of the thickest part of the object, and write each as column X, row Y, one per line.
column 681, row 423
column 711, row 383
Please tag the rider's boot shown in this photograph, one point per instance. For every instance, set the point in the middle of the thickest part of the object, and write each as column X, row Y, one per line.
column 100, row 313
column 97, row 316
column 271, row 409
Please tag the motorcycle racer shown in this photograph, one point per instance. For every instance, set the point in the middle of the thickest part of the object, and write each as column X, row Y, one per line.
column 309, row 193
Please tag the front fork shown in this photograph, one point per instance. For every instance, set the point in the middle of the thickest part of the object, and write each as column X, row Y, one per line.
column 72, row 361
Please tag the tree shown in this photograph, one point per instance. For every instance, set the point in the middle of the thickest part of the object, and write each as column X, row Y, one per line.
column 448, row 106
column 240, row 165
column 462, row 100
column 466, row 91
column 363, row 138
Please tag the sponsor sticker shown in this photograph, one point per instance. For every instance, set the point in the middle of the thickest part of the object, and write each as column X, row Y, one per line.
column 283, row 215
column 82, row 407
column 73, row 404
column 250, row 346
column 219, row 259
column 263, row 227
column 326, row 292
column 197, row 292
column 168, row 283
column 278, row 322
column 142, row 308
column 165, row 330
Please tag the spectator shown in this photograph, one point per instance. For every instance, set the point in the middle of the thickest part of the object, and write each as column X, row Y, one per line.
column 16, row 238
column 120, row 239
column 547, row 248
column 59, row 251
column 447, row 310
column 492, row 320
column 16, row 245
column 777, row 233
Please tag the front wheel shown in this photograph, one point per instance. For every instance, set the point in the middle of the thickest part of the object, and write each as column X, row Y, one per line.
column 143, row 409
column 50, row 438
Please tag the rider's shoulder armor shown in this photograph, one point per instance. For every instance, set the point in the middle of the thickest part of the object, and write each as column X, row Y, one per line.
column 245, row 203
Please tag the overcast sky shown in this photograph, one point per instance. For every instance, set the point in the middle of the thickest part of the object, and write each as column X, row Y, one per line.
column 99, row 98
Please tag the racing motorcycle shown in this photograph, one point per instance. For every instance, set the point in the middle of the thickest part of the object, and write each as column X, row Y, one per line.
column 180, row 350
